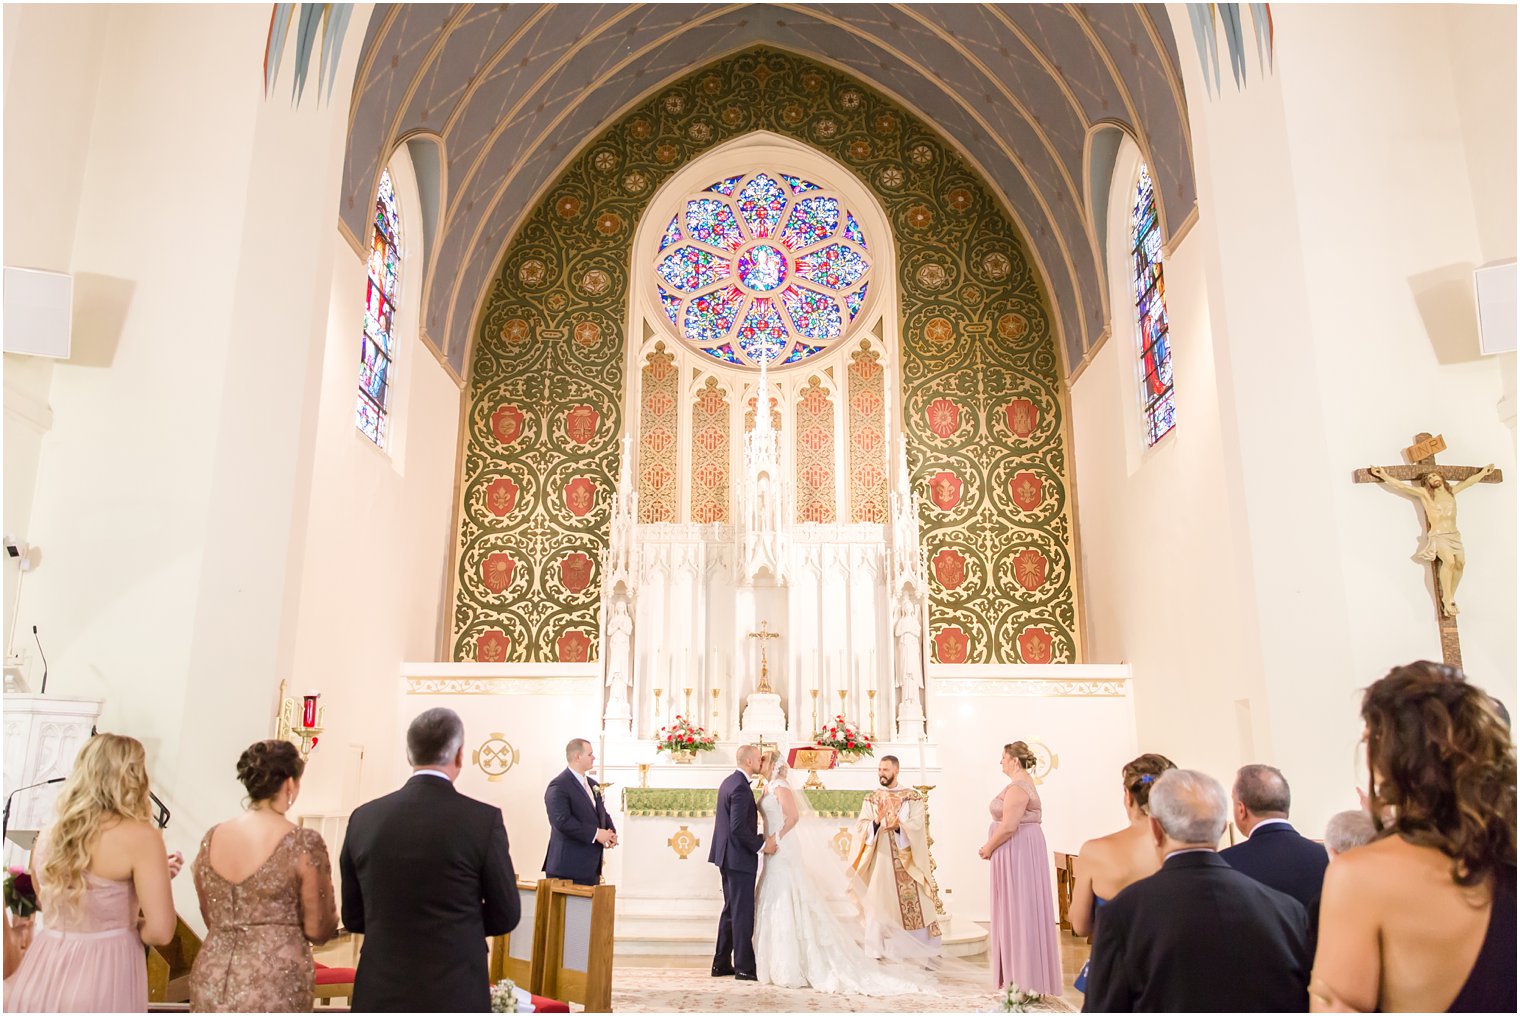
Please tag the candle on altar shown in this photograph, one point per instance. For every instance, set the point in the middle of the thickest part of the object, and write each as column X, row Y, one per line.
column 601, row 759
column 309, row 709
column 923, row 768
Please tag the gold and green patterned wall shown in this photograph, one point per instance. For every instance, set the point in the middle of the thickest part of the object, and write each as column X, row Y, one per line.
column 981, row 404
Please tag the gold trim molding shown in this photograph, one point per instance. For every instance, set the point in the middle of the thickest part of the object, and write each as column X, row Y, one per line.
column 956, row 687
column 502, row 686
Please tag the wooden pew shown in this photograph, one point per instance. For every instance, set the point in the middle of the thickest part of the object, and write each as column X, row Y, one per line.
column 575, row 964
column 1066, row 866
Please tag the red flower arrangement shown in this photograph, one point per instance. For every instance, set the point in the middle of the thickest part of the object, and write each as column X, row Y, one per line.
column 683, row 735
column 845, row 737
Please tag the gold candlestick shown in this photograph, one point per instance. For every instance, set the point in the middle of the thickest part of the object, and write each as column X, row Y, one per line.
column 716, row 715
column 688, row 702
column 842, row 694
column 814, row 693
column 659, row 717
column 871, row 697
column 643, row 774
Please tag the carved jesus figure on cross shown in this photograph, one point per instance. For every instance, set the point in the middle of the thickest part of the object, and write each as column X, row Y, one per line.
column 1442, row 545
column 763, row 686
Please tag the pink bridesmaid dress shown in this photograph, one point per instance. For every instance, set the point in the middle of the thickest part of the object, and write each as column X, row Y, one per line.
column 89, row 959
column 1023, row 932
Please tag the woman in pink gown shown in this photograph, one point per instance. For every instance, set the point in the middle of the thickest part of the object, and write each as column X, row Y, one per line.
column 1023, row 931
column 102, row 881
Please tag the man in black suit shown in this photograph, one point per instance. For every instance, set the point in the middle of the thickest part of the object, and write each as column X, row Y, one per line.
column 1274, row 854
column 1197, row 936
column 426, row 878
column 736, row 841
column 579, row 826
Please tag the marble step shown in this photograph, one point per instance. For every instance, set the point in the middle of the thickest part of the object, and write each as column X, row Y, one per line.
column 692, row 934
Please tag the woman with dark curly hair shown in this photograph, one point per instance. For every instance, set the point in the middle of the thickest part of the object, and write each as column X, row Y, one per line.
column 1109, row 863
column 266, row 893
column 1422, row 919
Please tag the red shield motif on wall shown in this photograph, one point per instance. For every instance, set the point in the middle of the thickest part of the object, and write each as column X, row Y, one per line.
column 1029, row 568
column 1023, row 417
column 580, row 495
column 491, row 646
column 575, row 572
column 501, row 496
column 1034, row 646
column 496, row 572
column 945, row 489
column 506, row 424
column 951, row 645
column 580, row 423
column 944, row 417
column 574, row 647
column 1028, row 490
column 950, row 568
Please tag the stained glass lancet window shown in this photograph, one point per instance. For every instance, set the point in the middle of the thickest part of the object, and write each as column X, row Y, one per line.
column 763, row 267
column 377, row 349
column 1150, row 304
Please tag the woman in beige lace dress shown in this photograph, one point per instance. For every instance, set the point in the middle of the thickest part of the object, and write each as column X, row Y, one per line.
column 266, row 894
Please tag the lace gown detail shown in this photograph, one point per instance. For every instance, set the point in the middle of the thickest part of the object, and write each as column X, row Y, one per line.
column 800, row 941
column 256, row 957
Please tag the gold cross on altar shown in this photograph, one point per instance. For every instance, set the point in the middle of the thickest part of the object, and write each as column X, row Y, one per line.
column 763, row 686
column 1433, row 491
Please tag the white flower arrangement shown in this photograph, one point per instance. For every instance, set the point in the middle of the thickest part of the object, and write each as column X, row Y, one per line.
column 1016, row 999
column 504, row 996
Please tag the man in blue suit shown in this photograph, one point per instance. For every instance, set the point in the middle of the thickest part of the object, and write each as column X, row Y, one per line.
column 579, row 826
column 736, row 842
column 1274, row 853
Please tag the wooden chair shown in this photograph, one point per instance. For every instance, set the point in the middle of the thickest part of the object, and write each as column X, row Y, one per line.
column 575, row 963
column 169, row 965
column 1065, row 882
column 513, row 955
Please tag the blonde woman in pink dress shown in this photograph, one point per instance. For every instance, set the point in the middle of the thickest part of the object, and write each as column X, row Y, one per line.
column 1022, row 948
column 102, row 880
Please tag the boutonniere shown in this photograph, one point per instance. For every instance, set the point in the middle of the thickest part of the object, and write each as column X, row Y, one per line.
column 596, row 789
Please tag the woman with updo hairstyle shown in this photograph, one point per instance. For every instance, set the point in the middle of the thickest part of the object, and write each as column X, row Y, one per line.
column 266, row 894
column 1422, row 919
column 1022, row 934
column 1109, row 863
column 102, row 881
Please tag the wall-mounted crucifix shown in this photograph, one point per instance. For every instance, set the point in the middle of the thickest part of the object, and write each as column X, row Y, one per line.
column 1432, row 489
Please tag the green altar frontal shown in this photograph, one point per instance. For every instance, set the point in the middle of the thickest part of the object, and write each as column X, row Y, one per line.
column 670, row 802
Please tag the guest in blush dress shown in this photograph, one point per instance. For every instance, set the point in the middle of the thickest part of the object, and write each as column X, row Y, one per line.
column 102, row 880
column 1023, row 931
column 266, row 893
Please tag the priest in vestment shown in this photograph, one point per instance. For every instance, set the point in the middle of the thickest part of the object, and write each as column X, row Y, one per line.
column 890, row 853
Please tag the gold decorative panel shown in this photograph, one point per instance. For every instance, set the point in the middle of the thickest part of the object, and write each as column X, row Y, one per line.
column 981, row 407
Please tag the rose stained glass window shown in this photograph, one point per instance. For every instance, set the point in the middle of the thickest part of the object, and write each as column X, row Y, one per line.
column 1150, row 305
column 763, row 267
column 377, row 348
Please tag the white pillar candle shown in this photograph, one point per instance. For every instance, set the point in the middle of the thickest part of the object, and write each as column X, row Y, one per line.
column 923, row 768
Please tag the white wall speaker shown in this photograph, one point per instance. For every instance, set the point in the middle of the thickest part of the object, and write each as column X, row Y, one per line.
column 1496, row 307
column 39, row 310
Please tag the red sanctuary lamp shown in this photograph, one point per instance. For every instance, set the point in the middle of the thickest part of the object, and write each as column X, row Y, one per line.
column 299, row 720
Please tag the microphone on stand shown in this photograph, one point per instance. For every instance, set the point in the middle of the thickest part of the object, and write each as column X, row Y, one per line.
column 5, row 821
column 44, row 658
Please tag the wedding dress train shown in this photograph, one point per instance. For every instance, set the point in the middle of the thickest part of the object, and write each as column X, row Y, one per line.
column 805, row 926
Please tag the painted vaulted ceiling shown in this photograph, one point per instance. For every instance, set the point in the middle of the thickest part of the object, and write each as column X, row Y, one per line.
column 514, row 90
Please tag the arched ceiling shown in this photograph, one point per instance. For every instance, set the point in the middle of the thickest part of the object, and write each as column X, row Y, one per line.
column 514, row 90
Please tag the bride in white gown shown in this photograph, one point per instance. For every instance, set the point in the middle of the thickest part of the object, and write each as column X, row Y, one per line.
column 808, row 933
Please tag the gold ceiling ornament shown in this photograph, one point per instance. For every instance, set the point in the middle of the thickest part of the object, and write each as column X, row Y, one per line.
column 683, row 842
column 495, row 756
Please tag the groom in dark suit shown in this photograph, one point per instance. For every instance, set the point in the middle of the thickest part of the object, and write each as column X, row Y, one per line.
column 579, row 826
column 426, row 878
column 736, row 841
